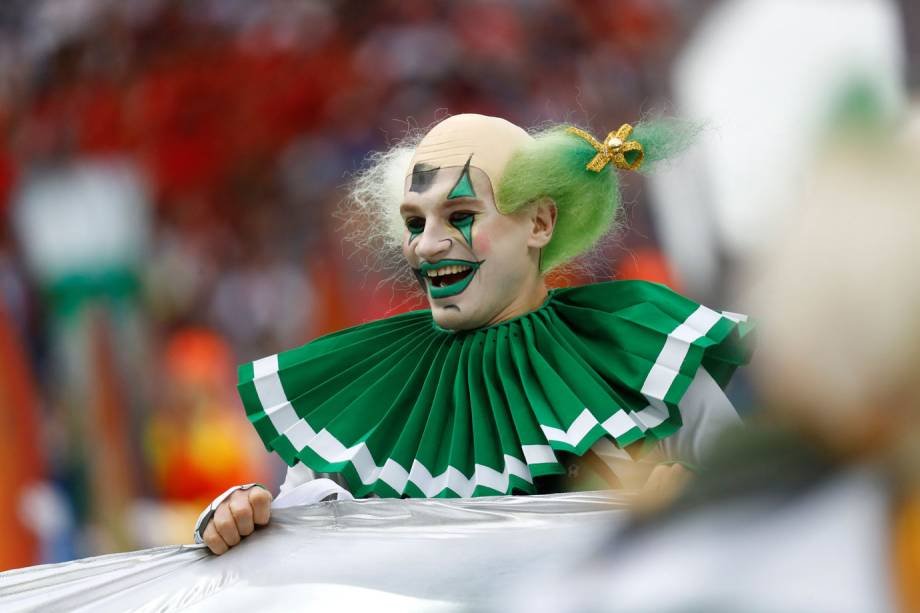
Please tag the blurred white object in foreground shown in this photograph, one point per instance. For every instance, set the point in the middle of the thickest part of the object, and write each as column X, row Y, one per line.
column 838, row 297
column 768, row 79
column 826, row 551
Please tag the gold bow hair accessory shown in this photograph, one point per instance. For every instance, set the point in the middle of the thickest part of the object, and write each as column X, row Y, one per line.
column 615, row 148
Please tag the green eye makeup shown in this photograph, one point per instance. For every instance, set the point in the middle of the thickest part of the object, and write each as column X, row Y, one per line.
column 464, row 223
column 463, row 188
column 416, row 226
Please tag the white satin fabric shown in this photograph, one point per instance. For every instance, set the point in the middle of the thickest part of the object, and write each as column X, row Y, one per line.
column 378, row 554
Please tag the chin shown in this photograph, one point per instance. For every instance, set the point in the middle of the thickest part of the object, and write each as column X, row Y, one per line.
column 452, row 318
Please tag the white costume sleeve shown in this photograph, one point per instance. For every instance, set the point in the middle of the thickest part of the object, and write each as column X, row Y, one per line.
column 300, row 487
column 296, row 475
column 706, row 411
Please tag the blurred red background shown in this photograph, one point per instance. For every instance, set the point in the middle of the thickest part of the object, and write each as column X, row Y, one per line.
column 168, row 176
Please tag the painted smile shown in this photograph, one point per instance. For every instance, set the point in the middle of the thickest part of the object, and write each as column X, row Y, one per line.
column 448, row 277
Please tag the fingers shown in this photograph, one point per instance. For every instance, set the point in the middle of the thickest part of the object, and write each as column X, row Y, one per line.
column 667, row 480
column 679, row 475
column 225, row 524
column 241, row 511
column 236, row 517
column 658, row 479
column 662, row 487
column 261, row 502
column 213, row 540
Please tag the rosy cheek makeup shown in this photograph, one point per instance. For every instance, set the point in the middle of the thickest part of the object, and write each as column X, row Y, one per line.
column 483, row 244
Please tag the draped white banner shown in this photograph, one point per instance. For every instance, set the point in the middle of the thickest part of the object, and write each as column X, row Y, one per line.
column 384, row 555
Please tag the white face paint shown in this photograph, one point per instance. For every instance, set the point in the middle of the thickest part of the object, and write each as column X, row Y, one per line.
column 477, row 266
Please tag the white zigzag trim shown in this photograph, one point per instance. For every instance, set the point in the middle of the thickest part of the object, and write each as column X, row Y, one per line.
column 616, row 425
column 324, row 444
column 539, row 454
column 651, row 416
column 655, row 387
column 661, row 376
column 575, row 432
column 455, row 480
column 735, row 317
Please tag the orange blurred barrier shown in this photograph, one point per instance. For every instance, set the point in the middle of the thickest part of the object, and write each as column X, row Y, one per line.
column 21, row 463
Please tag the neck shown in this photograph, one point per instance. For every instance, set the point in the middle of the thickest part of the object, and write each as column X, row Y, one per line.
column 530, row 299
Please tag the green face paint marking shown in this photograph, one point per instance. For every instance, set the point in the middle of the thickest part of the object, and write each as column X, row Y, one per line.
column 465, row 225
column 464, row 186
column 415, row 226
column 453, row 289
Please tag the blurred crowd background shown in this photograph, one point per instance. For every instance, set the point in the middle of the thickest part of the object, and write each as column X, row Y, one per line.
column 169, row 174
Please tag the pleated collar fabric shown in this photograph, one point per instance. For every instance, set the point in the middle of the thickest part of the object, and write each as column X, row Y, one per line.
column 402, row 407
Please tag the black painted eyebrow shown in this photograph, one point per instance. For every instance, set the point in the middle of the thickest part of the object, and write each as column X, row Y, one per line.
column 423, row 176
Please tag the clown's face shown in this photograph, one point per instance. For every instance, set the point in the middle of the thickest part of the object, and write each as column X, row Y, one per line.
column 476, row 266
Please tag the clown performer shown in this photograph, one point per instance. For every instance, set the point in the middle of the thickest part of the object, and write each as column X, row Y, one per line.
column 504, row 386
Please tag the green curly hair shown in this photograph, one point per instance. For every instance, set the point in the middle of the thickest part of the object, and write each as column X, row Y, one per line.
column 553, row 166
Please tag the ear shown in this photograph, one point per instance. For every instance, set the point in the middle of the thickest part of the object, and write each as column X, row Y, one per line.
column 543, row 218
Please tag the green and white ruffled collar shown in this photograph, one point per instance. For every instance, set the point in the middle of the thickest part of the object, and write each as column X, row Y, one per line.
column 402, row 407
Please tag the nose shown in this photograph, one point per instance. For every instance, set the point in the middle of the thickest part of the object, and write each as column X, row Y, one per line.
column 434, row 242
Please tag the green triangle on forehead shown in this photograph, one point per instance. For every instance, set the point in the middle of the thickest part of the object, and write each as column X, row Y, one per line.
column 464, row 186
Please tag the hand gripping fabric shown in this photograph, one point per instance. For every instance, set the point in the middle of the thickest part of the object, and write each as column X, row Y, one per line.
column 402, row 407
